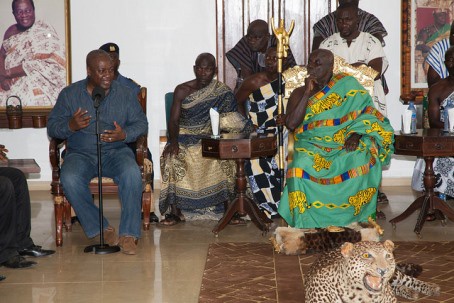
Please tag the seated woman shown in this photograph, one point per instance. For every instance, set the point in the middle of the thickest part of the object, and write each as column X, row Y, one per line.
column 261, row 90
column 439, row 95
column 341, row 143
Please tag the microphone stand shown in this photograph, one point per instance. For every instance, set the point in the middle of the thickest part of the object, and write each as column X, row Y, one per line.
column 101, row 248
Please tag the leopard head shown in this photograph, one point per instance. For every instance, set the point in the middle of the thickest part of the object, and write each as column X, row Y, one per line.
column 368, row 265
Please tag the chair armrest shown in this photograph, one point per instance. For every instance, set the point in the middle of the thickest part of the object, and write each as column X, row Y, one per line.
column 54, row 157
column 141, row 150
column 54, row 152
column 142, row 159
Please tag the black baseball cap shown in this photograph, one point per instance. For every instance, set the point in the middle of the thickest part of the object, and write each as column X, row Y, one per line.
column 110, row 48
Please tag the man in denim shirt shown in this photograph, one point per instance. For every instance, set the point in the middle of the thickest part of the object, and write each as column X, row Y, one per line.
column 121, row 121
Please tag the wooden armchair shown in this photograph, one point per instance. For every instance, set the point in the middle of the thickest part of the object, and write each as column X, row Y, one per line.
column 62, row 206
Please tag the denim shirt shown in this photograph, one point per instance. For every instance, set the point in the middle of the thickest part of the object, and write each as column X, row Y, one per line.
column 120, row 105
column 128, row 83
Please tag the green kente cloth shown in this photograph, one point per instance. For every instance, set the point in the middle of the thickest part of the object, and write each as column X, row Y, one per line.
column 439, row 34
column 326, row 185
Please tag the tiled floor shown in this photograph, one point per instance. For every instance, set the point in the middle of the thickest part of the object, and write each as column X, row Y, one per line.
column 168, row 266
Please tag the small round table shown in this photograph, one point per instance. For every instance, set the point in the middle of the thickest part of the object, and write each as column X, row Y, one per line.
column 427, row 143
column 240, row 147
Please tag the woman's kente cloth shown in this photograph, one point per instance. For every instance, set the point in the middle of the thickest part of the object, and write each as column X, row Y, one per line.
column 263, row 172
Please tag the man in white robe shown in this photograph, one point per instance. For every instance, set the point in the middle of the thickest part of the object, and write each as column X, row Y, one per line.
column 358, row 48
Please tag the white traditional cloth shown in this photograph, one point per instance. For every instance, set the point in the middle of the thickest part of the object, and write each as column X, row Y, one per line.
column 363, row 48
column 443, row 168
column 42, row 55
column 436, row 57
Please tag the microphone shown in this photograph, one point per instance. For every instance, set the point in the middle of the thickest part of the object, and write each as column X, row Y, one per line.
column 98, row 95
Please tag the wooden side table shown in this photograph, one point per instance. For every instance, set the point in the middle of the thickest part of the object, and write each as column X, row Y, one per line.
column 240, row 147
column 429, row 144
column 27, row 166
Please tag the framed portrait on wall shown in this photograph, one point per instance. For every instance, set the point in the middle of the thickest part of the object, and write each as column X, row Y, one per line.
column 424, row 23
column 34, row 57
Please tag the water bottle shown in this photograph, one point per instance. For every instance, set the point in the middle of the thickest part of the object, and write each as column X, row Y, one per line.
column 442, row 196
column 446, row 125
column 412, row 108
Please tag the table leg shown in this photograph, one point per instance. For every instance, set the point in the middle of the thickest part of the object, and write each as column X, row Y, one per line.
column 436, row 207
column 422, row 214
column 242, row 204
column 436, row 204
column 411, row 209
column 440, row 205
column 233, row 208
column 424, row 202
column 429, row 203
column 257, row 216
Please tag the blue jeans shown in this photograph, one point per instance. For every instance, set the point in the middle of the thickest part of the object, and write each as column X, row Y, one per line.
column 119, row 164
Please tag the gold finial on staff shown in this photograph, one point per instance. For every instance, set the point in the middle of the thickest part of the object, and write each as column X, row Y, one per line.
column 283, row 39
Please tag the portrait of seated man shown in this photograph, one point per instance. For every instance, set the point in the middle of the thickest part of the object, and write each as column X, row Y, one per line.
column 189, row 180
column 341, row 143
column 429, row 34
column 436, row 59
column 32, row 59
column 433, row 32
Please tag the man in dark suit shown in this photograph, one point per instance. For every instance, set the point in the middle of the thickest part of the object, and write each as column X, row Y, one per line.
column 15, row 219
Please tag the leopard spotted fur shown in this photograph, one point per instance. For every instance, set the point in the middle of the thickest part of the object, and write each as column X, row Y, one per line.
column 404, row 284
column 361, row 272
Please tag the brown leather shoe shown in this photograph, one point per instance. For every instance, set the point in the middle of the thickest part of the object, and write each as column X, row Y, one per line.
column 110, row 236
column 128, row 245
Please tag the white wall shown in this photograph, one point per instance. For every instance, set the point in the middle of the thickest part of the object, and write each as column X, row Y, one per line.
column 158, row 42
column 389, row 13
